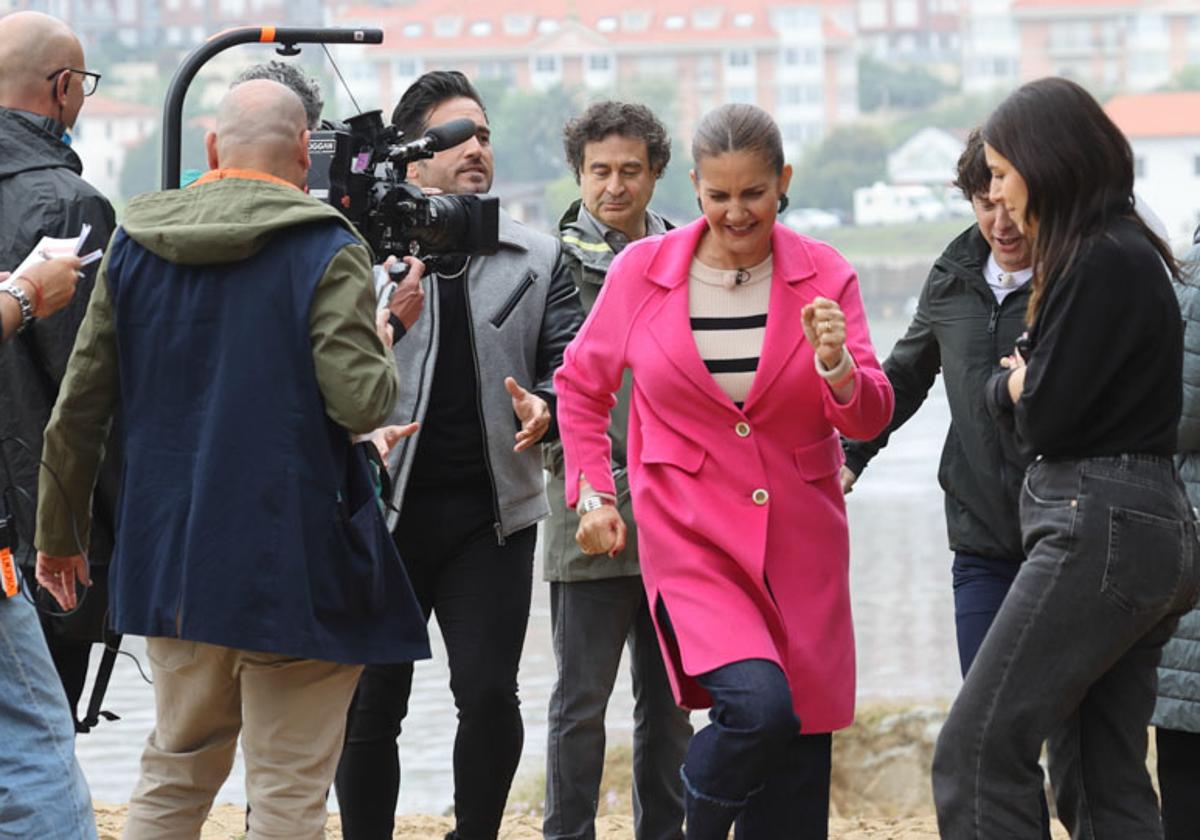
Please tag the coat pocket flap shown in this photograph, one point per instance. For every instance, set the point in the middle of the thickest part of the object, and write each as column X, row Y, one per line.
column 663, row 447
column 818, row 460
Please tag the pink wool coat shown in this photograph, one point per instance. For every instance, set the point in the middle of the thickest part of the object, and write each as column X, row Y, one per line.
column 741, row 520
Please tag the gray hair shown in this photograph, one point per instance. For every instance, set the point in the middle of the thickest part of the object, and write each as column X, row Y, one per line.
column 289, row 75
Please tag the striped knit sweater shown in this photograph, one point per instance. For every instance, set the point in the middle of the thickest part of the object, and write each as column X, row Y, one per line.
column 728, row 309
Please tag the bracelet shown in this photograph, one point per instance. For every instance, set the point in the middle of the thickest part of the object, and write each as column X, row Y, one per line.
column 37, row 293
column 590, row 504
column 8, row 287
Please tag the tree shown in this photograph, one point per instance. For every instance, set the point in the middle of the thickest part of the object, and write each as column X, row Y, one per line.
column 848, row 158
column 886, row 86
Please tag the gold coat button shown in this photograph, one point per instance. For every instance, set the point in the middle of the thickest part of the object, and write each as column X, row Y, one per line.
column 760, row 496
column 742, row 429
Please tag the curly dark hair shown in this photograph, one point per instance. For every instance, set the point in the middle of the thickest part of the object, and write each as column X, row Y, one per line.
column 973, row 177
column 602, row 119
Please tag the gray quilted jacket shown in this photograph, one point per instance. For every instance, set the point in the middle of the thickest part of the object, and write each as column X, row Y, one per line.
column 1179, row 671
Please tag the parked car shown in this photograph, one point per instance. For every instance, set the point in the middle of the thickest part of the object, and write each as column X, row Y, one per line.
column 811, row 218
column 887, row 204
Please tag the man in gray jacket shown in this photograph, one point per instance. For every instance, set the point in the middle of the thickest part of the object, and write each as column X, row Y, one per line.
column 597, row 604
column 476, row 372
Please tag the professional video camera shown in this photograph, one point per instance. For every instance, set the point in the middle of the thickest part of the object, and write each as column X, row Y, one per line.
column 359, row 168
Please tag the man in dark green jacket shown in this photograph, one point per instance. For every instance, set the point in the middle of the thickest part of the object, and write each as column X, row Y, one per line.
column 970, row 313
column 597, row 604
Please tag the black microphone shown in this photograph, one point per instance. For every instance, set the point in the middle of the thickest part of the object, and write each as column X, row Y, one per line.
column 444, row 136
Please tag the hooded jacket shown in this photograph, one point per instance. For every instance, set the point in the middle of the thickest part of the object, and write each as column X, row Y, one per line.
column 235, row 320
column 1179, row 670
column 42, row 194
column 588, row 257
column 960, row 331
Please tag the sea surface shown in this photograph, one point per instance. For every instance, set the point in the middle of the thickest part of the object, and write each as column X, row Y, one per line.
column 903, row 611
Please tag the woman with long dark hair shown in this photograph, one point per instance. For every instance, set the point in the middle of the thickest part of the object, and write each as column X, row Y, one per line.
column 749, row 351
column 1110, row 539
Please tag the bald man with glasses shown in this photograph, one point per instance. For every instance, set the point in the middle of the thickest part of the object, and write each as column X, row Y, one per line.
column 44, row 80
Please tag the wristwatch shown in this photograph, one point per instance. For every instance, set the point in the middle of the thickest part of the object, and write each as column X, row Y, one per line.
column 18, row 294
column 590, row 504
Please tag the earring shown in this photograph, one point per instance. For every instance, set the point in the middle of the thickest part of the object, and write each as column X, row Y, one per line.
column 783, row 202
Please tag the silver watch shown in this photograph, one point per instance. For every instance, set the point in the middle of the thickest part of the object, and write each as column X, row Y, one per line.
column 590, row 504
column 18, row 294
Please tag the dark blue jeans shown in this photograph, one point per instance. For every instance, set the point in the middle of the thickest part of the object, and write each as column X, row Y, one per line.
column 980, row 584
column 1071, row 657
column 751, row 767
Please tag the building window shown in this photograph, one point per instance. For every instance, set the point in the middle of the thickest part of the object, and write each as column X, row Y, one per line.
column 413, row 30
column 675, row 22
column 606, row 24
column 709, row 18
column 447, row 26
column 799, row 57
column 797, row 19
column 739, row 58
column 548, row 26
column 706, row 70
column 658, row 66
column 1196, row 166
column 545, row 65
column 517, row 24
column 481, row 28
column 599, row 63
column 872, row 14
column 743, row 20
column 906, row 13
column 740, row 93
column 635, row 21
column 406, row 68
column 1139, row 166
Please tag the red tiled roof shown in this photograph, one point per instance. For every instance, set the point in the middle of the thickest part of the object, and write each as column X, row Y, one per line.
column 667, row 21
column 98, row 105
column 1174, row 114
column 1077, row 5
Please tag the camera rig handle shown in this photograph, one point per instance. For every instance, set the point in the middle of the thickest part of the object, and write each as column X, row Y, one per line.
column 286, row 37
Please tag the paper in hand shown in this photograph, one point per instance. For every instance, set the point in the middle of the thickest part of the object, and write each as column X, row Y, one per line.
column 49, row 248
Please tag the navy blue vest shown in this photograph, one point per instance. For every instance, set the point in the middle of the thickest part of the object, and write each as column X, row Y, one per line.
column 233, row 526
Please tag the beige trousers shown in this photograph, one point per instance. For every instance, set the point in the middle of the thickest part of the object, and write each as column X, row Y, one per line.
column 291, row 714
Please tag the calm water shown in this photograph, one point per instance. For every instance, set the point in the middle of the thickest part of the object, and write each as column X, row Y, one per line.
column 900, row 582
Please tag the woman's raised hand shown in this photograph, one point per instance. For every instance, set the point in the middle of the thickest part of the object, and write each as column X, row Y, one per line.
column 825, row 329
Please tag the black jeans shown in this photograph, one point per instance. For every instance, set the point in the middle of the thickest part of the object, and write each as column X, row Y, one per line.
column 1071, row 657
column 480, row 593
column 592, row 621
column 1179, row 782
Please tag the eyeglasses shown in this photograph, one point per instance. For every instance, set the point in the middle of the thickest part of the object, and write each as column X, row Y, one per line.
column 90, row 80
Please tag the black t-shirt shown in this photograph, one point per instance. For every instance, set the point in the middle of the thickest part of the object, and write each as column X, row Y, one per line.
column 1106, row 364
column 451, row 448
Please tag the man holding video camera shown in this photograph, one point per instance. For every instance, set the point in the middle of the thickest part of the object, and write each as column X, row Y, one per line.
column 476, row 372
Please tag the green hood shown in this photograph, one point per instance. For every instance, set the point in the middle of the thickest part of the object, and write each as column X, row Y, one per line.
column 222, row 221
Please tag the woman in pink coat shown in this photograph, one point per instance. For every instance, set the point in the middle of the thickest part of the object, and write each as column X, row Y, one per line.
column 750, row 354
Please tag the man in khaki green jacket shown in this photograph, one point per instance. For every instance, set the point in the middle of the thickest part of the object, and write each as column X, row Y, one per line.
column 234, row 324
column 597, row 604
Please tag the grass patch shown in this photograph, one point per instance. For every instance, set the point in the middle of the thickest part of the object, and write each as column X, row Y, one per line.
column 920, row 239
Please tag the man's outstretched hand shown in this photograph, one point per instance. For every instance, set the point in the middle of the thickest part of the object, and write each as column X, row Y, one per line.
column 533, row 413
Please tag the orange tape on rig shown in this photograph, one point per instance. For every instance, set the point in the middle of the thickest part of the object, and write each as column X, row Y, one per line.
column 8, row 574
column 268, row 35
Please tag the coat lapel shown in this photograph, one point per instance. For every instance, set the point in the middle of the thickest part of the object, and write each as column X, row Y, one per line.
column 790, row 293
column 671, row 324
